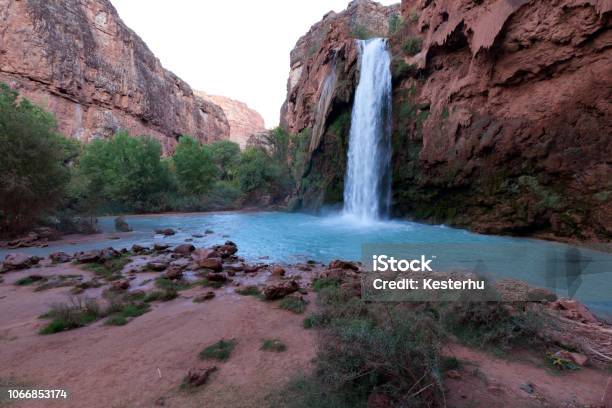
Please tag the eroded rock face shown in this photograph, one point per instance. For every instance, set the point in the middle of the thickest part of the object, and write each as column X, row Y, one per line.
column 77, row 59
column 502, row 119
column 244, row 122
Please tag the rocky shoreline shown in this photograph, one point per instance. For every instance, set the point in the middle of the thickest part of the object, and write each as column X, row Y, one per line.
column 156, row 277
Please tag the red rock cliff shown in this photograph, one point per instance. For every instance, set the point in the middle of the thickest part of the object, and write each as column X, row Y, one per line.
column 77, row 59
column 502, row 112
column 244, row 122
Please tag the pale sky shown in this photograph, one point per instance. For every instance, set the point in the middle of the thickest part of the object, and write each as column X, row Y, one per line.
column 238, row 49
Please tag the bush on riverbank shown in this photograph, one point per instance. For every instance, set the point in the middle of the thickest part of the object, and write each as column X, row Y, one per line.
column 35, row 163
column 50, row 180
column 367, row 349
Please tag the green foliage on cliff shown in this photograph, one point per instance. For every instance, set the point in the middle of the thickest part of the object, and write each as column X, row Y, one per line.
column 361, row 32
column 34, row 169
column 194, row 166
column 412, row 45
column 395, row 23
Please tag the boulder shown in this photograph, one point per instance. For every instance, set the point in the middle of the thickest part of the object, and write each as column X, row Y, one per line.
column 250, row 268
column 88, row 256
column 160, row 247
column 203, row 253
column 216, row 277
column 540, row 295
column 107, row 254
column 574, row 310
column 18, row 260
column 278, row 270
column 227, row 249
column 138, row 249
column 120, row 285
column 204, row 296
column 157, row 266
column 184, row 249
column 121, row 225
column 235, row 267
column 198, row 377
column 165, row 231
column 174, row 273
column 340, row 264
column 60, row 257
column 280, row 290
column 576, row 358
column 214, row 264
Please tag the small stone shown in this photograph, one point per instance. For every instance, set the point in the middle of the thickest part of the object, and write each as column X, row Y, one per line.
column 278, row 270
column 184, row 249
column 454, row 374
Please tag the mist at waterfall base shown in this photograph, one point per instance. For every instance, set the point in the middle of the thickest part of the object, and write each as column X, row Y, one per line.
column 367, row 191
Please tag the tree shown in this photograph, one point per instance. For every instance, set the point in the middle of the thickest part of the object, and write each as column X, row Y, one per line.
column 226, row 156
column 257, row 172
column 34, row 169
column 125, row 172
column 195, row 170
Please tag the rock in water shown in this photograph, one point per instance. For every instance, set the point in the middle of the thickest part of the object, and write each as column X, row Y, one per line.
column 121, row 225
column 184, row 249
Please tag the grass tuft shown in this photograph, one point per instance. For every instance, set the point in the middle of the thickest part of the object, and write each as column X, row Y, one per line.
column 293, row 304
column 221, row 350
column 275, row 345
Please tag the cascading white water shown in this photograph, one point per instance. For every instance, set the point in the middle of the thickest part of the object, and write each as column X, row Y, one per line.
column 367, row 191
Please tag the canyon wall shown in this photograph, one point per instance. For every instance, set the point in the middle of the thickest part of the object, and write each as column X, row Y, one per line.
column 502, row 112
column 77, row 59
column 244, row 122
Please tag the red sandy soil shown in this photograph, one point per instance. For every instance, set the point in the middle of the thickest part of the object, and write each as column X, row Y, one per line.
column 107, row 366
column 142, row 363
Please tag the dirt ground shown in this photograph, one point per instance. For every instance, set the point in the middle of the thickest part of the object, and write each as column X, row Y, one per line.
column 142, row 363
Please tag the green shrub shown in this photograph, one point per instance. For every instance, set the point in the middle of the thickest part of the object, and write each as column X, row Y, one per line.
column 161, row 295
column 78, row 313
column 275, row 345
column 110, row 269
column 412, row 45
column 315, row 321
column 321, row 283
column 127, row 311
column 293, row 304
column 169, row 284
column 449, row 363
column 361, row 32
column 28, row 280
column 195, row 169
column 248, row 291
column 395, row 23
column 365, row 348
column 35, row 165
column 226, row 157
column 492, row 325
column 221, row 350
column 125, row 173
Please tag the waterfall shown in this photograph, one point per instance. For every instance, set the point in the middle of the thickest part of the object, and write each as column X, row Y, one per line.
column 367, row 191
